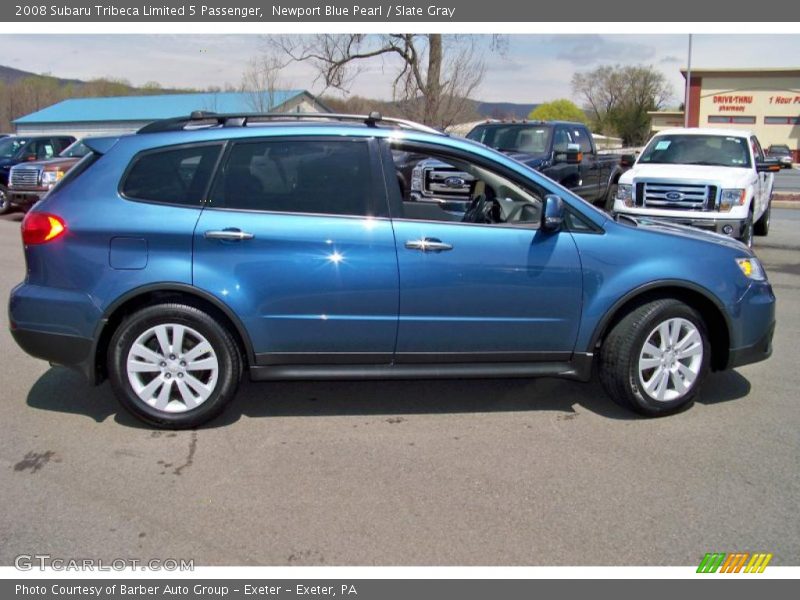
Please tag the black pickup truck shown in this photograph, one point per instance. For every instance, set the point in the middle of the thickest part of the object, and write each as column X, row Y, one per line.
column 563, row 151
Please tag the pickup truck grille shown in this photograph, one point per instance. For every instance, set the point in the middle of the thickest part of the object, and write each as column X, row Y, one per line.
column 25, row 177
column 447, row 182
column 681, row 196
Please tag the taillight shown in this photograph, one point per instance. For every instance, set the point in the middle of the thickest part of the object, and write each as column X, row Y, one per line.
column 40, row 228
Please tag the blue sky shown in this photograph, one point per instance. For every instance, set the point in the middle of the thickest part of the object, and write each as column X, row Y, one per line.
column 533, row 68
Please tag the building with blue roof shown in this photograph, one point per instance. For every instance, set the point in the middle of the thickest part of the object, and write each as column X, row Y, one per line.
column 118, row 115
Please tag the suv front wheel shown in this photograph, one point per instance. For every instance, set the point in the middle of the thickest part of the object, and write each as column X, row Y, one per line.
column 173, row 366
column 654, row 360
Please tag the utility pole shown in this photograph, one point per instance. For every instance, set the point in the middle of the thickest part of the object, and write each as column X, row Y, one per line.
column 688, row 85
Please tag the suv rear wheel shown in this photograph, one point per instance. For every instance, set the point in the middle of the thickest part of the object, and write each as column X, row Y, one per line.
column 654, row 360
column 173, row 366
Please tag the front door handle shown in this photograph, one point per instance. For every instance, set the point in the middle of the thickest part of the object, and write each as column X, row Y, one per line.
column 428, row 245
column 236, row 235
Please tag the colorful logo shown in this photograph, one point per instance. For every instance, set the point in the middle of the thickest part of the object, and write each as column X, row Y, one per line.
column 736, row 562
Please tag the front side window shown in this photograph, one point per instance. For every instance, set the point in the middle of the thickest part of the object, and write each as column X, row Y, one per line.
column 172, row 176
column 449, row 188
column 580, row 136
column 299, row 176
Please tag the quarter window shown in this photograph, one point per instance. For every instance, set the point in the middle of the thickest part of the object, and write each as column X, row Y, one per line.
column 172, row 176
column 320, row 176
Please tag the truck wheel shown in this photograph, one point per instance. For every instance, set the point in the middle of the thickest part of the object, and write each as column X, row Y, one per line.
column 5, row 203
column 173, row 366
column 608, row 204
column 747, row 231
column 655, row 359
column 762, row 225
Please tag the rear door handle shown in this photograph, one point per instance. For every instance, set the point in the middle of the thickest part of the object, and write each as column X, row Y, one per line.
column 228, row 234
column 428, row 245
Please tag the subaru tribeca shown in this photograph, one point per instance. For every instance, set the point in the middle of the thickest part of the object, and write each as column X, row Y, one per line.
column 176, row 259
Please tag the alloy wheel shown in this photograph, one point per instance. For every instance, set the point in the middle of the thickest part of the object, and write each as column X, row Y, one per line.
column 671, row 359
column 172, row 368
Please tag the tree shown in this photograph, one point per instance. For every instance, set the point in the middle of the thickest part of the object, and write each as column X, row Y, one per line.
column 261, row 81
column 558, row 110
column 435, row 74
column 619, row 99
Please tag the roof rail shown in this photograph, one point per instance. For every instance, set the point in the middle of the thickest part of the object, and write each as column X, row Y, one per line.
column 200, row 118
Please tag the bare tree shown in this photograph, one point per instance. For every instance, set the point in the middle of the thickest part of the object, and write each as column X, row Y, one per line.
column 619, row 99
column 435, row 75
column 262, row 81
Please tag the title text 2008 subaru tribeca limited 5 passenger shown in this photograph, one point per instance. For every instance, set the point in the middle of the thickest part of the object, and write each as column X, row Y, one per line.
column 174, row 260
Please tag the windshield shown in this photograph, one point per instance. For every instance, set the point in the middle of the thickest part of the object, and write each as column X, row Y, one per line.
column 75, row 150
column 713, row 150
column 531, row 139
column 10, row 147
column 783, row 150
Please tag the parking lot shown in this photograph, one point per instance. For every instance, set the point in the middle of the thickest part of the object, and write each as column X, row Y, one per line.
column 515, row 472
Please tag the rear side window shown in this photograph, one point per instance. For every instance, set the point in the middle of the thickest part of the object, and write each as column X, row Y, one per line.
column 302, row 176
column 172, row 176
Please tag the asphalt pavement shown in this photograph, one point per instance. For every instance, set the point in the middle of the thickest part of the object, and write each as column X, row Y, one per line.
column 516, row 472
column 788, row 180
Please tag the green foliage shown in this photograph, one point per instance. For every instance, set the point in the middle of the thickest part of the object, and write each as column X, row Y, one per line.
column 558, row 110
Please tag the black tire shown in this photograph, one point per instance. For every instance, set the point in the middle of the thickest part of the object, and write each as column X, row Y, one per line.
column 608, row 201
column 224, row 349
column 761, row 228
column 623, row 347
column 5, row 203
column 746, row 236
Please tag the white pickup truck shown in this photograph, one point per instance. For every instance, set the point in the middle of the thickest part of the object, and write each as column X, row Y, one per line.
column 714, row 179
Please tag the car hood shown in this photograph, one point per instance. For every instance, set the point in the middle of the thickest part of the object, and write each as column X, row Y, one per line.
column 684, row 231
column 53, row 163
column 722, row 176
column 532, row 160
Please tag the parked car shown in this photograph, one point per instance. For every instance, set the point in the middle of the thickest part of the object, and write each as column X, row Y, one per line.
column 714, row 179
column 782, row 153
column 563, row 151
column 29, row 182
column 174, row 260
column 17, row 149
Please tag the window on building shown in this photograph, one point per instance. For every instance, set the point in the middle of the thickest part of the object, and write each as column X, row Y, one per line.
column 781, row 120
column 741, row 120
column 317, row 176
column 172, row 176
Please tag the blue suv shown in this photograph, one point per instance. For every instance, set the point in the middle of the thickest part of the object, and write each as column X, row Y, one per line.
column 173, row 260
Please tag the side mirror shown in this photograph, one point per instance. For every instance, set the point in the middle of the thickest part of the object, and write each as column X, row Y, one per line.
column 627, row 160
column 572, row 155
column 552, row 213
column 768, row 165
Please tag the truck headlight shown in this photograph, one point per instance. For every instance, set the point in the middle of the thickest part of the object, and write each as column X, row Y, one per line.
column 50, row 178
column 625, row 194
column 751, row 267
column 730, row 198
column 416, row 179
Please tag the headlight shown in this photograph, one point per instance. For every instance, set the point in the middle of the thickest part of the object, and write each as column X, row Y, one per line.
column 730, row 198
column 625, row 194
column 50, row 178
column 416, row 179
column 752, row 268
